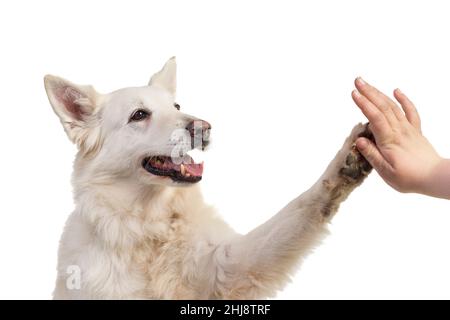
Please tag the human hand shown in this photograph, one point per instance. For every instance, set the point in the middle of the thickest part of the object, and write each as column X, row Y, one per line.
column 402, row 156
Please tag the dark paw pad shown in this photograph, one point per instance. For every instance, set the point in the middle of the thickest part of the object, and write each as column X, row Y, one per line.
column 366, row 133
column 355, row 166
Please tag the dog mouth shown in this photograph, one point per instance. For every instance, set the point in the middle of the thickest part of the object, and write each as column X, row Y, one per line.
column 183, row 169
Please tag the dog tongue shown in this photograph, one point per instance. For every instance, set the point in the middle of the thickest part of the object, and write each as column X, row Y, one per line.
column 194, row 169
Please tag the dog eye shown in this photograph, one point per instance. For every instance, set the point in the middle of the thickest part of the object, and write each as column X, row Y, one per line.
column 177, row 106
column 139, row 115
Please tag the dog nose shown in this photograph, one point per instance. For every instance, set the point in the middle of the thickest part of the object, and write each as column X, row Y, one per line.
column 199, row 131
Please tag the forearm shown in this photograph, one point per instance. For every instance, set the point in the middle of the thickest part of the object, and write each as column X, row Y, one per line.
column 292, row 229
column 257, row 264
column 438, row 184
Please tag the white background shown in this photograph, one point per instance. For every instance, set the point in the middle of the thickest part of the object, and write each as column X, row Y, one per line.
column 274, row 79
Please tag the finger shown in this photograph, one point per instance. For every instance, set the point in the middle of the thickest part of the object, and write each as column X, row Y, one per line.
column 370, row 151
column 408, row 107
column 380, row 127
column 380, row 100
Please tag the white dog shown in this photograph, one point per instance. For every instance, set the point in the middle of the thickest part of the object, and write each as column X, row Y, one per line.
column 136, row 233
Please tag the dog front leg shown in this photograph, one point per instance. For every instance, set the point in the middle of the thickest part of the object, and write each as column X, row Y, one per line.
column 259, row 263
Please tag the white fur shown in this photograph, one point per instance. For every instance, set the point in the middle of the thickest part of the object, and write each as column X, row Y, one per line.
column 139, row 236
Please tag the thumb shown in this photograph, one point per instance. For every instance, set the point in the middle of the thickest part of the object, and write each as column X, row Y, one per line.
column 370, row 151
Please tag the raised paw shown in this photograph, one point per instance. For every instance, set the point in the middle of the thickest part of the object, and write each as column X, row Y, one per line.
column 347, row 171
column 356, row 167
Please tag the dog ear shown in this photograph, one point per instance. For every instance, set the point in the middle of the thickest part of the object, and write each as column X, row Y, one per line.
column 166, row 77
column 75, row 106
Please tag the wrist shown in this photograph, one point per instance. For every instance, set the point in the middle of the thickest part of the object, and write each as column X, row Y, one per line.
column 437, row 183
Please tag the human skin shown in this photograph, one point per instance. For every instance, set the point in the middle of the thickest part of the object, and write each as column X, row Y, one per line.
column 401, row 154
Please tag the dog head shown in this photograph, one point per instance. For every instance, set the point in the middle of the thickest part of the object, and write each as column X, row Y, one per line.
column 137, row 132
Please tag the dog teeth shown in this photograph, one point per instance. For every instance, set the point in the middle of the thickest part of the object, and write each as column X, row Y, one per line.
column 183, row 171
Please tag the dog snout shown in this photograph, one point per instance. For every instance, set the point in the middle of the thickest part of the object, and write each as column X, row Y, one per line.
column 199, row 131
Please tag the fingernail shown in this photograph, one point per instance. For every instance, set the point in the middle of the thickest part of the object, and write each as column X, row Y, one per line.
column 360, row 81
column 356, row 93
column 399, row 91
